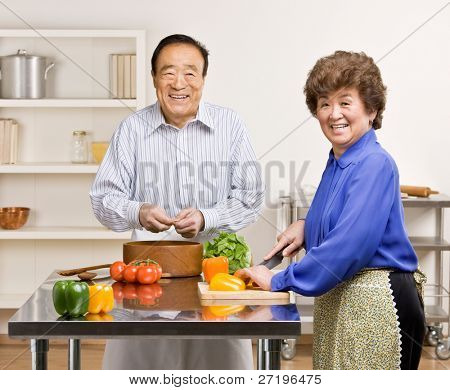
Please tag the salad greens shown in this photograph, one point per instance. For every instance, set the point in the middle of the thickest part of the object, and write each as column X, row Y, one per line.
column 233, row 247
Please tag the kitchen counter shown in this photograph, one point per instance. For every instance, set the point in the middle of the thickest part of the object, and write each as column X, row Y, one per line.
column 171, row 309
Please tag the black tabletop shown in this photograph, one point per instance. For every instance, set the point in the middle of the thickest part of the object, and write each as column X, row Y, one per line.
column 170, row 308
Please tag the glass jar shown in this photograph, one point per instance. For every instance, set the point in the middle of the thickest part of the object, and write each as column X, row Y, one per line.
column 79, row 150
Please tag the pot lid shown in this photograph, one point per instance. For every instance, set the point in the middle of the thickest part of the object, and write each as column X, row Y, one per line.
column 22, row 54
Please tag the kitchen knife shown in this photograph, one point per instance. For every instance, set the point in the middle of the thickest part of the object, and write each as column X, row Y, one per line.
column 275, row 260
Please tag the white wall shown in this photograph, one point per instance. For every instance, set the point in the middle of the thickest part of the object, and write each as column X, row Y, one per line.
column 261, row 52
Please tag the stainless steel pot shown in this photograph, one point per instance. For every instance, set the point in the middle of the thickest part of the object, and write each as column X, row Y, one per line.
column 22, row 76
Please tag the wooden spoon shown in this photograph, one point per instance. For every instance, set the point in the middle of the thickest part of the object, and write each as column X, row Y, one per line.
column 71, row 272
column 87, row 275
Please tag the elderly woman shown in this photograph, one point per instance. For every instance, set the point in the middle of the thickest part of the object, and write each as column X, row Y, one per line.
column 359, row 262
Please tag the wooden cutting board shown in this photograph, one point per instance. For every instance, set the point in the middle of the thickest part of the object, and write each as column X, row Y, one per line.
column 248, row 295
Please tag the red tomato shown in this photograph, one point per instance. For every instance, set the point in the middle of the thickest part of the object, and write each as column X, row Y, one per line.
column 159, row 270
column 118, row 291
column 130, row 291
column 157, row 289
column 146, row 295
column 130, row 273
column 116, row 270
column 147, row 274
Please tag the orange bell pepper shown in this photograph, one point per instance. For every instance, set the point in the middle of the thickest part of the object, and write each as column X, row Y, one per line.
column 214, row 265
column 226, row 282
column 101, row 299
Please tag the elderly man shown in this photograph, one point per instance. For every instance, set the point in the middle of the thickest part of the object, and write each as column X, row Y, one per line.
column 180, row 168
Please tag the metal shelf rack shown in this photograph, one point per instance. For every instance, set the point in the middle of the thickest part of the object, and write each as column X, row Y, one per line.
column 291, row 209
column 435, row 314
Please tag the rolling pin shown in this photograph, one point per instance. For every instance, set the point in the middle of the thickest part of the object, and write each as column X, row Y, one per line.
column 422, row 192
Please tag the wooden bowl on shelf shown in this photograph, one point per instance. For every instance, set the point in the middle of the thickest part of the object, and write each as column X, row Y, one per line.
column 12, row 218
column 177, row 258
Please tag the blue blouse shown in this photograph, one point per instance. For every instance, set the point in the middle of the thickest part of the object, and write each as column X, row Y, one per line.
column 355, row 221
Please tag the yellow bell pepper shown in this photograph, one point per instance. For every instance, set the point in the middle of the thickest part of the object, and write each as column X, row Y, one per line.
column 226, row 282
column 101, row 299
column 108, row 304
column 224, row 311
column 99, row 317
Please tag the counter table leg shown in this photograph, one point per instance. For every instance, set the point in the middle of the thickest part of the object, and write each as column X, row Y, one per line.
column 39, row 349
column 74, row 354
column 260, row 356
column 269, row 354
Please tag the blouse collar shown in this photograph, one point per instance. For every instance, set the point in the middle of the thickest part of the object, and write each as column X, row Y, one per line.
column 353, row 151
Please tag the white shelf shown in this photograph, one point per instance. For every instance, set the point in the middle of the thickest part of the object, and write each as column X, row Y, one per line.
column 57, row 167
column 13, row 301
column 434, row 313
column 34, row 33
column 68, row 103
column 63, row 233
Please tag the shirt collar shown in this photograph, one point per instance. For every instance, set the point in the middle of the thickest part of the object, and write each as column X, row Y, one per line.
column 157, row 119
column 204, row 117
column 353, row 151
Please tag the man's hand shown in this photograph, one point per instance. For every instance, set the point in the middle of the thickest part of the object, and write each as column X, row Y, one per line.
column 292, row 238
column 189, row 222
column 154, row 218
column 261, row 275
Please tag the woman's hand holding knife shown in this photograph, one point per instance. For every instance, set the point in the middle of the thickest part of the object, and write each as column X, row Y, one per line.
column 290, row 242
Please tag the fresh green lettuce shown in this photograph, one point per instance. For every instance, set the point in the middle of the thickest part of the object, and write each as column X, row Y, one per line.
column 233, row 247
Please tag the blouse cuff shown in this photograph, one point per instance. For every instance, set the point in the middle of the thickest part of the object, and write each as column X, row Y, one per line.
column 278, row 283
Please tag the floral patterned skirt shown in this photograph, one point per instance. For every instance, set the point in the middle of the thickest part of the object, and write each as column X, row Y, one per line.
column 356, row 324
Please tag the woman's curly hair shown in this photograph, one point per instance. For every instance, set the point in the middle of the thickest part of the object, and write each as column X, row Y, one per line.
column 345, row 69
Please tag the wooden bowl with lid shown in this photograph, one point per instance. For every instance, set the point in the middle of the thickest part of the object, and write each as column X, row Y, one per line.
column 177, row 258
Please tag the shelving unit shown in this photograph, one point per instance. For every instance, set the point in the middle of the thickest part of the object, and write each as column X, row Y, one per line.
column 435, row 314
column 62, row 231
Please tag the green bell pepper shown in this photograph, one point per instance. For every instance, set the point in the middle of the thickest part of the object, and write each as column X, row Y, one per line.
column 59, row 296
column 70, row 297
